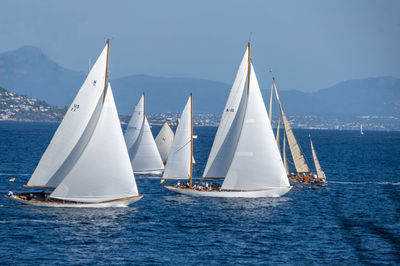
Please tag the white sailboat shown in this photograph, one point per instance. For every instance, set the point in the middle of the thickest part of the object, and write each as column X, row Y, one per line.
column 361, row 130
column 86, row 162
column 244, row 153
column 164, row 141
column 142, row 149
column 320, row 173
column 180, row 164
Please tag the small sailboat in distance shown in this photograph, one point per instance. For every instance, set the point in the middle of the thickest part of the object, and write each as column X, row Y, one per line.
column 86, row 163
column 321, row 178
column 142, row 149
column 164, row 141
column 361, row 130
column 244, row 153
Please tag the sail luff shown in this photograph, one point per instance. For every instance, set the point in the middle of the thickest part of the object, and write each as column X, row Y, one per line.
column 318, row 168
column 297, row 155
column 191, row 139
column 270, row 103
column 106, row 79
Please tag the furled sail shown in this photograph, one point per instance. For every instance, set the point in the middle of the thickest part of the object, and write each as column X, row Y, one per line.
column 297, row 155
column 318, row 168
column 257, row 163
column 103, row 171
column 179, row 161
column 75, row 130
column 139, row 140
column 222, row 150
column 164, row 141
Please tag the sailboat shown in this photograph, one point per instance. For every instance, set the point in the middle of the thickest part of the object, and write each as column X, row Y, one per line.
column 361, row 130
column 86, row 163
column 164, row 141
column 244, row 153
column 142, row 149
column 303, row 173
column 321, row 178
column 180, row 159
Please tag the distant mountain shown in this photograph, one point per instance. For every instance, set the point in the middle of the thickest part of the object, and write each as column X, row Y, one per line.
column 29, row 71
column 21, row 108
column 370, row 96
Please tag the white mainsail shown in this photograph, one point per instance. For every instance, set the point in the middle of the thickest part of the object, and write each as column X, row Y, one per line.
column 103, row 171
column 75, row 130
column 257, row 163
column 318, row 168
column 139, row 140
column 297, row 155
column 179, row 161
column 164, row 141
column 221, row 153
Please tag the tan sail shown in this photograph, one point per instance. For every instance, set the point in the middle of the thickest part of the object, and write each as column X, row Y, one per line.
column 285, row 163
column 297, row 155
column 277, row 134
column 318, row 168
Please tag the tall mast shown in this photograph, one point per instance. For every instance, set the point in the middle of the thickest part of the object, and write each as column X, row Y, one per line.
column 191, row 139
column 248, row 71
column 270, row 104
column 105, row 83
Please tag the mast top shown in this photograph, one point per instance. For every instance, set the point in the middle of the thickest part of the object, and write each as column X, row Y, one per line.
column 106, row 79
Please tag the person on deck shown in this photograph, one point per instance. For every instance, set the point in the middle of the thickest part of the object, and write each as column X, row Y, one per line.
column 10, row 193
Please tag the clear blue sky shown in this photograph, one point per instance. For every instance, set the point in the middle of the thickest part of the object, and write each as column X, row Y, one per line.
column 308, row 44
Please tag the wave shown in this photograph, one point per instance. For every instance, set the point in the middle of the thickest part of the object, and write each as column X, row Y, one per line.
column 366, row 182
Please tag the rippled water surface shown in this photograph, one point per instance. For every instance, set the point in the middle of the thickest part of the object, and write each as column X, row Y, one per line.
column 354, row 219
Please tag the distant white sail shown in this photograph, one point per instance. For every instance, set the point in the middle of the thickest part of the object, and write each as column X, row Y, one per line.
column 179, row 158
column 164, row 141
column 318, row 168
column 134, row 126
column 102, row 172
column 257, row 163
column 297, row 155
column 221, row 154
column 139, row 140
column 75, row 130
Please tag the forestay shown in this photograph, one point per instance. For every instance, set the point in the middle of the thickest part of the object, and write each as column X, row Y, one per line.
column 179, row 158
column 103, row 171
column 257, row 163
column 164, row 141
column 74, row 131
column 222, row 150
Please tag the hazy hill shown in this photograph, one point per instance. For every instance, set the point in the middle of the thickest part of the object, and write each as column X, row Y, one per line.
column 29, row 71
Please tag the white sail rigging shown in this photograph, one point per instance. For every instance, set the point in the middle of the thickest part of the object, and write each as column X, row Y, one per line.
column 318, row 168
column 297, row 155
column 102, row 172
column 285, row 163
column 179, row 163
column 139, row 140
column 277, row 135
column 164, row 141
column 75, row 130
column 221, row 153
column 256, row 163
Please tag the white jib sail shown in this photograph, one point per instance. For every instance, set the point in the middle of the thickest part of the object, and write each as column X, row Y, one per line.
column 178, row 163
column 164, row 141
column 318, row 168
column 134, row 126
column 74, row 131
column 218, row 163
column 146, row 157
column 103, row 171
column 257, row 163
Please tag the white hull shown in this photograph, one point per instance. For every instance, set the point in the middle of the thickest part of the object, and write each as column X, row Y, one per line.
column 149, row 172
column 265, row 193
column 112, row 203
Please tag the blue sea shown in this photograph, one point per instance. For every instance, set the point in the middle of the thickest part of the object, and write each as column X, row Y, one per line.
column 354, row 219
